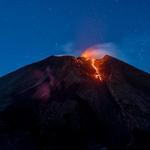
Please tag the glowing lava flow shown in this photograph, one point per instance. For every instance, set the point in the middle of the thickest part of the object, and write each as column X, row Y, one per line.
column 97, row 74
column 91, row 55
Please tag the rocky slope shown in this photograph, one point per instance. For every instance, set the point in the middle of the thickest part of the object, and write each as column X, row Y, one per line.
column 57, row 104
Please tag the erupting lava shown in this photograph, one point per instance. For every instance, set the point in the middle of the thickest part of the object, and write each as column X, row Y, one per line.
column 91, row 54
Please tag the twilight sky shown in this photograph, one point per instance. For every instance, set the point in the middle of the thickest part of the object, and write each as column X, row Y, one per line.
column 31, row 30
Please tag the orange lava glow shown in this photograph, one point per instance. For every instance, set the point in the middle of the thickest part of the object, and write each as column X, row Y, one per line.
column 91, row 55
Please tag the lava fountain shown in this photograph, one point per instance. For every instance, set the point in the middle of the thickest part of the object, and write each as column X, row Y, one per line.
column 92, row 54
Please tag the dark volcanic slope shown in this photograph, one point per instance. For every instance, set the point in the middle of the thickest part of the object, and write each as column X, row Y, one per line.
column 57, row 104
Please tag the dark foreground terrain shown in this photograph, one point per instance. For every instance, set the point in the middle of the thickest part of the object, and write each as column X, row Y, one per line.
column 57, row 104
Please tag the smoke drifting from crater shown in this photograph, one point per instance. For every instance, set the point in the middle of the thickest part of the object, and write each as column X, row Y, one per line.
column 98, row 50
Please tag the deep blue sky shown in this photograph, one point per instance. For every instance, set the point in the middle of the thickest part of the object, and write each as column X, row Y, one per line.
column 31, row 30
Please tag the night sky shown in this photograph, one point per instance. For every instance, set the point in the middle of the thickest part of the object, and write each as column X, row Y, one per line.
column 31, row 30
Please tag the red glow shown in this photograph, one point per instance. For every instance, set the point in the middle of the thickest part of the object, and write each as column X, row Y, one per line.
column 92, row 54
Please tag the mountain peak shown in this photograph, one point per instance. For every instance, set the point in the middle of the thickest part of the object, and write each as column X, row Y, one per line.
column 65, row 99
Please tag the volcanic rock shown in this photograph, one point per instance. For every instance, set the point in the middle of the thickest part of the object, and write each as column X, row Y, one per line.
column 57, row 104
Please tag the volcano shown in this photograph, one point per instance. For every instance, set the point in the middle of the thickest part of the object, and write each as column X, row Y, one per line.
column 67, row 103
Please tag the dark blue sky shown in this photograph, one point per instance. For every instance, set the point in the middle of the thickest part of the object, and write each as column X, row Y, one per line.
column 31, row 30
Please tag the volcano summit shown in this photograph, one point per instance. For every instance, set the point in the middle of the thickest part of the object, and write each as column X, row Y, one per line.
column 68, row 103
